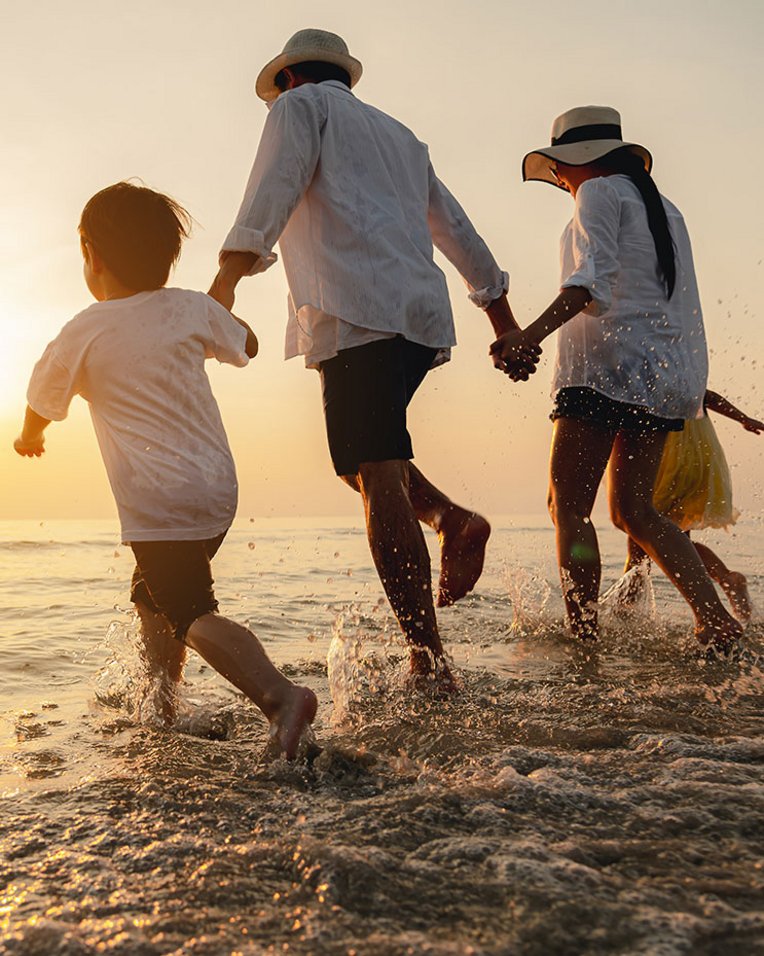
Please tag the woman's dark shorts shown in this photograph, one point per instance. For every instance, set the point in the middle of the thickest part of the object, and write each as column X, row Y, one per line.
column 592, row 406
column 366, row 392
column 174, row 578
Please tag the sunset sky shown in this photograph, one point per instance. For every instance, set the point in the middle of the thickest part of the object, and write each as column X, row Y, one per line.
column 94, row 92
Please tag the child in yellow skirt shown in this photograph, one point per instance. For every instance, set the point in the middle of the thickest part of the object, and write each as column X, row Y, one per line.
column 693, row 489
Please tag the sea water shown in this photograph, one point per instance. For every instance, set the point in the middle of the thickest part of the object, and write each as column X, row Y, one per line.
column 562, row 802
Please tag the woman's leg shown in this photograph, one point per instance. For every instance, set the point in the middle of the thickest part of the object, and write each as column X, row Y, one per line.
column 633, row 468
column 580, row 452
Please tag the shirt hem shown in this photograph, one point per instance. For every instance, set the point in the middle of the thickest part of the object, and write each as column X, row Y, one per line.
column 174, row 534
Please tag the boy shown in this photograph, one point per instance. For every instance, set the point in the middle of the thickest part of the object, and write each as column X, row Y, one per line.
column 137, row 357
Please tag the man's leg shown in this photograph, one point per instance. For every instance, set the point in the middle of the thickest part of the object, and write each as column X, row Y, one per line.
column 402, row 560
column 463, row 535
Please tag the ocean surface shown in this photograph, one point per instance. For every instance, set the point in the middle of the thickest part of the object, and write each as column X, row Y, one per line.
column 558, row 804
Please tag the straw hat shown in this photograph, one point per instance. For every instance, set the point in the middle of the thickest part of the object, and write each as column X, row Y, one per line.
column 580, row 136
column 307, row 46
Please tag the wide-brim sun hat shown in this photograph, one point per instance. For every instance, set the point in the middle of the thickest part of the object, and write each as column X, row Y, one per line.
column 580, row 136
column 304, row 47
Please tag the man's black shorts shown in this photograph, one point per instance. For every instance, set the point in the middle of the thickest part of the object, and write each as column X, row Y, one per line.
column 366, row 392
column 174, row 578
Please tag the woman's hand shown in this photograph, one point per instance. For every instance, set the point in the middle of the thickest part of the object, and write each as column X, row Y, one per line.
column 515, row 354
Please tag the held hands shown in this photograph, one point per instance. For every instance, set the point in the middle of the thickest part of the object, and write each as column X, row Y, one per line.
column 516, row 355
column 30, row 448
column 233, row 267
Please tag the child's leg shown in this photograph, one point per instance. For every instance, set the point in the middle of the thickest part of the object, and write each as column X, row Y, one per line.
column 633, row 468
column 580, row 452
column 634, row 555
column 237, row 655
column 164, row 657
column 733, row 583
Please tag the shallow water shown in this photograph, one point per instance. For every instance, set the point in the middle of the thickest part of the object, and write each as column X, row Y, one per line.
column 559, row 804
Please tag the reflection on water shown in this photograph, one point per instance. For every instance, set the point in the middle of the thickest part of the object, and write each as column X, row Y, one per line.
column 562, row 802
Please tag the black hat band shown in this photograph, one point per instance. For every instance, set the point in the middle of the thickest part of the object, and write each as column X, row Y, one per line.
column 580, row 134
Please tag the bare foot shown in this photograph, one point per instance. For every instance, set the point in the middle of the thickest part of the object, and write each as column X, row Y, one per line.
column 289, row 723
column 720, row 639
column 431, row 675
column 463, row 539
column 735, row 586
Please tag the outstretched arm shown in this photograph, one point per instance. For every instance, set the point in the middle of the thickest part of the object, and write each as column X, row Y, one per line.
column 722, row 406
column 510, row 351
column 31, row 441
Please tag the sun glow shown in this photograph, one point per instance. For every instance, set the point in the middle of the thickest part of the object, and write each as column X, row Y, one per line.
column 16, row 358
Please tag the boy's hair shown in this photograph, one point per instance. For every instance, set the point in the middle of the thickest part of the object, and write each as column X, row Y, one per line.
column 315, row 70
column 137, row 232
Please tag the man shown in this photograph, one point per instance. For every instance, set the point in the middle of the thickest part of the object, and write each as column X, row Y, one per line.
column 352, row 198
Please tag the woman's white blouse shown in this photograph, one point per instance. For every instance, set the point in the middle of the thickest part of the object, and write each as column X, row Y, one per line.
column 631, row 342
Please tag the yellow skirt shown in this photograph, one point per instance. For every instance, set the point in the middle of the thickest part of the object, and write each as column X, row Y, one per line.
column 693, row 486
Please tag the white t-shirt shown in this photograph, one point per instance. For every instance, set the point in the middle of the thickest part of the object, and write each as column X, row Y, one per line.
column 631, row 342
column 139, row 363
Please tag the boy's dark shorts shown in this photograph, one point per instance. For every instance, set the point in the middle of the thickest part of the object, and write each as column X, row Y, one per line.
column 366, row 392
column 592, row 406
column 174, row 578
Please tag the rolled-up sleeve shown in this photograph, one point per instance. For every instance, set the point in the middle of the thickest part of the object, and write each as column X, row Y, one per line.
column 283, row 169
column 593, row 243
column 53, row 384
column 456, row 237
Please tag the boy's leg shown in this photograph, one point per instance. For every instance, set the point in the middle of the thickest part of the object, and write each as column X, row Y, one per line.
column 164, row 657
column 733, row 583
column 177, row 576
column 580, row 452
column 236, row 654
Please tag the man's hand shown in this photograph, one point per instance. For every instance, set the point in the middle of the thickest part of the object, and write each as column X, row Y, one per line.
column 30, row 448
column 233, row 266
column 516, row 355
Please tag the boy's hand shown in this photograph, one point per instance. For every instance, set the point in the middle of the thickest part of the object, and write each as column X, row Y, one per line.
column 514, row 354
column 223, row 291
column 30, row 448
column 751, row 425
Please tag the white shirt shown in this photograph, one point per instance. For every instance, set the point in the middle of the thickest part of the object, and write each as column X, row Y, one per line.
column 139, row 363
column 631, row 342
column 352, row 197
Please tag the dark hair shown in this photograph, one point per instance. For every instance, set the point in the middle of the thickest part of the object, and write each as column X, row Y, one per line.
column 314, row 70
column 137, row 232
column 624, row 161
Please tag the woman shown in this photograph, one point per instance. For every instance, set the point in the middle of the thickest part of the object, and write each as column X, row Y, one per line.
column 631, row 362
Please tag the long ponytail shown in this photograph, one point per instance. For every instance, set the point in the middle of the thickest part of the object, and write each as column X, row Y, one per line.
column 624, row 161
